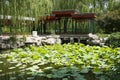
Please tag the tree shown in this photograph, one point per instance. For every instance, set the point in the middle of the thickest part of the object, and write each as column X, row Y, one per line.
column 25, row 8
column 110, row 22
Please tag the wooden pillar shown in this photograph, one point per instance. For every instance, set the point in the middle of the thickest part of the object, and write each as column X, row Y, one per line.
column 91, row 26
column 41, row 27
column 44, row 27
column 55, row 26
column 28, row 26
column 78, row 26
column 79, row 40
column 65, row 25
column 38, row 28
column 48, row 27
column 33, row 26
column 75, row 26
column 0, row 28
column 84, row 31
column 59, row 26
column 72, row 26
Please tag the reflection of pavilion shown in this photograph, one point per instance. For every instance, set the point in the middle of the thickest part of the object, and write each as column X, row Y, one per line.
column 66, row 22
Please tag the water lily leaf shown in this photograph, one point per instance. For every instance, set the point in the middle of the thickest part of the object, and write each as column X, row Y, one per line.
column 49, row 75
column 33, row 68
column 78, row 76
column 1, row 62
column 21, row 74
column 41, row 74
column 13, row 62
column 103, row 78
column 48, row 68
column 22, row 67
column 12, row 68
column 42, row 63
column 12, row 78
column 0, row 70
column 65, row 79
column 30, row 78
column 19, row 64
column 97, row 71
column 59, row 75
column 36, row 57
column 84, row 70
column 36, row 62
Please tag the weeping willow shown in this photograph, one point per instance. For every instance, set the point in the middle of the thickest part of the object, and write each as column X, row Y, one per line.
column 19, row 10
column 96, row 6
column 22, row 12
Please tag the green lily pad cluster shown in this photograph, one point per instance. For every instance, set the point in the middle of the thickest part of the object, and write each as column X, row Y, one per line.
column 59, row 62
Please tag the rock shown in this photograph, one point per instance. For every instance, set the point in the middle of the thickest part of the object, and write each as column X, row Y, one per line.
column 37, row 40
column 90, row 34
column 1, row 40
column 93, row 36
column 50, row 41
column 95, row 40
column 3, row 46
column 8, row 46
column 58, row 41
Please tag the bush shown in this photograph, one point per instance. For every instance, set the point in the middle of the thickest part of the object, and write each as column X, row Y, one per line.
column 109, row 22
column 114, row 40
column 115, row 72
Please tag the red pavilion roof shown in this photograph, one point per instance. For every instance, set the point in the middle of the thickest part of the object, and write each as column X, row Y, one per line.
column 74, row 14
column 64, row 13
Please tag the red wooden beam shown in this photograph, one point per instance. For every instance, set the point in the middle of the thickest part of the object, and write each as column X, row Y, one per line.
column 64, row 13
column 50, row 18
column 84, row 16
column 47, row 18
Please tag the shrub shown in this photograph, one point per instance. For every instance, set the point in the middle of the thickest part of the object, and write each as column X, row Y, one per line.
column 114, row 40
column 109, row 22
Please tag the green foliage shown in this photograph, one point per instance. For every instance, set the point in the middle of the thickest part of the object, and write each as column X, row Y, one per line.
column 96, row 6
column 13, row 39
column 22, row 13
column 59, row 62
column 113, row 40
column 115, row 72
column 110, row 22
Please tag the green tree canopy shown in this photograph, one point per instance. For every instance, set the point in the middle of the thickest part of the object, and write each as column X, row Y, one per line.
column 28, row 8
column 96, row 6
column 110, row 22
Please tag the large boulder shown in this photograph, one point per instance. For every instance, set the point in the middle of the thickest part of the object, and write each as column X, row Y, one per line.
column 54, row 39
column 95, row 40
column 33, row 40
column 50, row 41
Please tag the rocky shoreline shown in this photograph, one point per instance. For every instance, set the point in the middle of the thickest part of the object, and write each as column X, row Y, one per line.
column 10, row 42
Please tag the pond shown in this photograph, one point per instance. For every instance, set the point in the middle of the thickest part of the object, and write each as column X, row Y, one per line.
column 59, row 62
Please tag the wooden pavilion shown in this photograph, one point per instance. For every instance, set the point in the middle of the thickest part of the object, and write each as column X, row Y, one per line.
column 58, row 22
column 67, row 22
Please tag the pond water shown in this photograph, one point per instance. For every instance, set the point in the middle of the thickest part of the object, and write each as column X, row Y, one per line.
column 4, row 51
